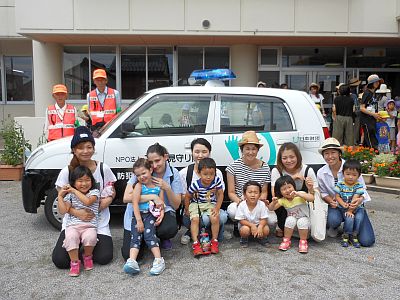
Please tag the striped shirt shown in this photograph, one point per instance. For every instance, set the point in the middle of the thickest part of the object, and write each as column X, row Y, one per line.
column 205, row 194
column 243, row 173
column 346, row 192
column 77, row 204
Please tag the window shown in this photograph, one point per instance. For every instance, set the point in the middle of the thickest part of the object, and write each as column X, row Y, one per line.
column 103, row 57
column 373, row 57
column 268, row 57
column 18, row 78
column 242, row 113
column 133, row 71
column 76, row 71
column 189, row 59
column 194, row 58
column 171, row 115
column 160, row 65
column 271, row 78
column 309, row 56
column 216, row 57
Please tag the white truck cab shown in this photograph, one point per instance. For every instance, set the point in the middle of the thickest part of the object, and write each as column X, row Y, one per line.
column 173, row 117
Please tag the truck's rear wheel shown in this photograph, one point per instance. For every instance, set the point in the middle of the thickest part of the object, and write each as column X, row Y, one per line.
column 51, row 209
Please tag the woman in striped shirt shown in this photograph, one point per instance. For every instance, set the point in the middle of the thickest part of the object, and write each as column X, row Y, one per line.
column 247, row 168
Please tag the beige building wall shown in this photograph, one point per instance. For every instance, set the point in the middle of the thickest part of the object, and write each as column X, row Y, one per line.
column 226, row 17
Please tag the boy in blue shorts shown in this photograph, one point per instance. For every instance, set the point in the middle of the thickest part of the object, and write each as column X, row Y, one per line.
column 349, row 195
column 204, row 196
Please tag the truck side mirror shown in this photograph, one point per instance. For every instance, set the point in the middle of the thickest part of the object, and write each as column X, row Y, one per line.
column 128, row 126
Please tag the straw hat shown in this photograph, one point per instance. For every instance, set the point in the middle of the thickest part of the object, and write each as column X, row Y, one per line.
column 99, row 73
column 330, row 143
column 383, row 114
column 313, row 84
column 250, row 137
column 354, row 82
column 60, row 88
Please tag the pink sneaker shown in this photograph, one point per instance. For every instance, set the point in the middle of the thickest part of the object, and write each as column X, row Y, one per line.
column 75, row 268
column 285, row 245
column 88, row 262
column 303, row 246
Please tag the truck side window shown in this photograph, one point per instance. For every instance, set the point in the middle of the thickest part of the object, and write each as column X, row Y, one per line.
column 171, row 115
column 259, row 113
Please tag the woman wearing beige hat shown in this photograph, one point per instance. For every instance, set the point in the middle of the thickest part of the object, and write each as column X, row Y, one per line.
column 317, row 97
column 248, row 168
column 328, row 176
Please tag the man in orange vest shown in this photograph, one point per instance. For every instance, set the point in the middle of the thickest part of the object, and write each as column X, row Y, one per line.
column 104, row 102
column 61, row 118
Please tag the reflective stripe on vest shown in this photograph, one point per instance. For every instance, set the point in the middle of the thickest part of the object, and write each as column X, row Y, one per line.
column 60, row 128
column 103, row 113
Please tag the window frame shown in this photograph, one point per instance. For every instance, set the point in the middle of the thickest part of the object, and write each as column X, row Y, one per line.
column 267, row 67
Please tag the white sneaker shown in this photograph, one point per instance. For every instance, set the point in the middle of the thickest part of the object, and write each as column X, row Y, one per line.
column 185, row 239
column 158, row 266
column 131, row 267
column 331, row 232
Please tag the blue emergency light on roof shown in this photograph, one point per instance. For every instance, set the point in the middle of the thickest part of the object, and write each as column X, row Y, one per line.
column 212, row 74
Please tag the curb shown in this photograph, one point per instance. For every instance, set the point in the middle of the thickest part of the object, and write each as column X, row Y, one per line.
column 380, row 189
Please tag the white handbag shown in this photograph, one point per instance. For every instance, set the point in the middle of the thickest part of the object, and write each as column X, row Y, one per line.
column 318, row 216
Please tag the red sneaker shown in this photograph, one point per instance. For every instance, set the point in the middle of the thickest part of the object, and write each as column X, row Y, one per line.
column 214, row 247
column 197, row 250
column 88, row 262
column 285, row 245
column 74, row 268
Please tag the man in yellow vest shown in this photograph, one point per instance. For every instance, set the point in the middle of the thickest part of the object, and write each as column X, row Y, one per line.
column 104, row 102
column 61, row 118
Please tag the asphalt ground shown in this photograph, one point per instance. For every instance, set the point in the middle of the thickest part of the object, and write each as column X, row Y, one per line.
column 327, row 271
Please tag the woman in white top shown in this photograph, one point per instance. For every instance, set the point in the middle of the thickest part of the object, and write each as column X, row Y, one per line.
column 82, row 145
column 317, row 97
column 289, row 162
column 201, row 148
column 328, row 176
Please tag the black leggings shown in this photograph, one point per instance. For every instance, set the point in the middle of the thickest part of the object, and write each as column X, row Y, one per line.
column 166, row 230
column 102, row 253
column 281, row 215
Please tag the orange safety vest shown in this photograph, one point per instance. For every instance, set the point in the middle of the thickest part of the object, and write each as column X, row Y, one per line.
column 103, row 113
column 58, row 127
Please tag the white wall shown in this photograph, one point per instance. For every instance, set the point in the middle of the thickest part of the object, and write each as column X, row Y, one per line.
column 230, row 17
column 7, row 19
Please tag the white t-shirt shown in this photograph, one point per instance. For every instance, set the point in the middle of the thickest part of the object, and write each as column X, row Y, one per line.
column 317, row 100
column 392, row 122
column 299, row 183
column 104, row 215
column 183, row 172
column 259, row 212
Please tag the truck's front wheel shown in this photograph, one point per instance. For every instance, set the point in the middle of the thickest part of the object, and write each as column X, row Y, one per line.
column 51, row 209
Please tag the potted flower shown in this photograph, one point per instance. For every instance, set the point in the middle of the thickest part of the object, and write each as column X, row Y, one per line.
column 364, row 155
column 387, row 170
column 12, row 157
